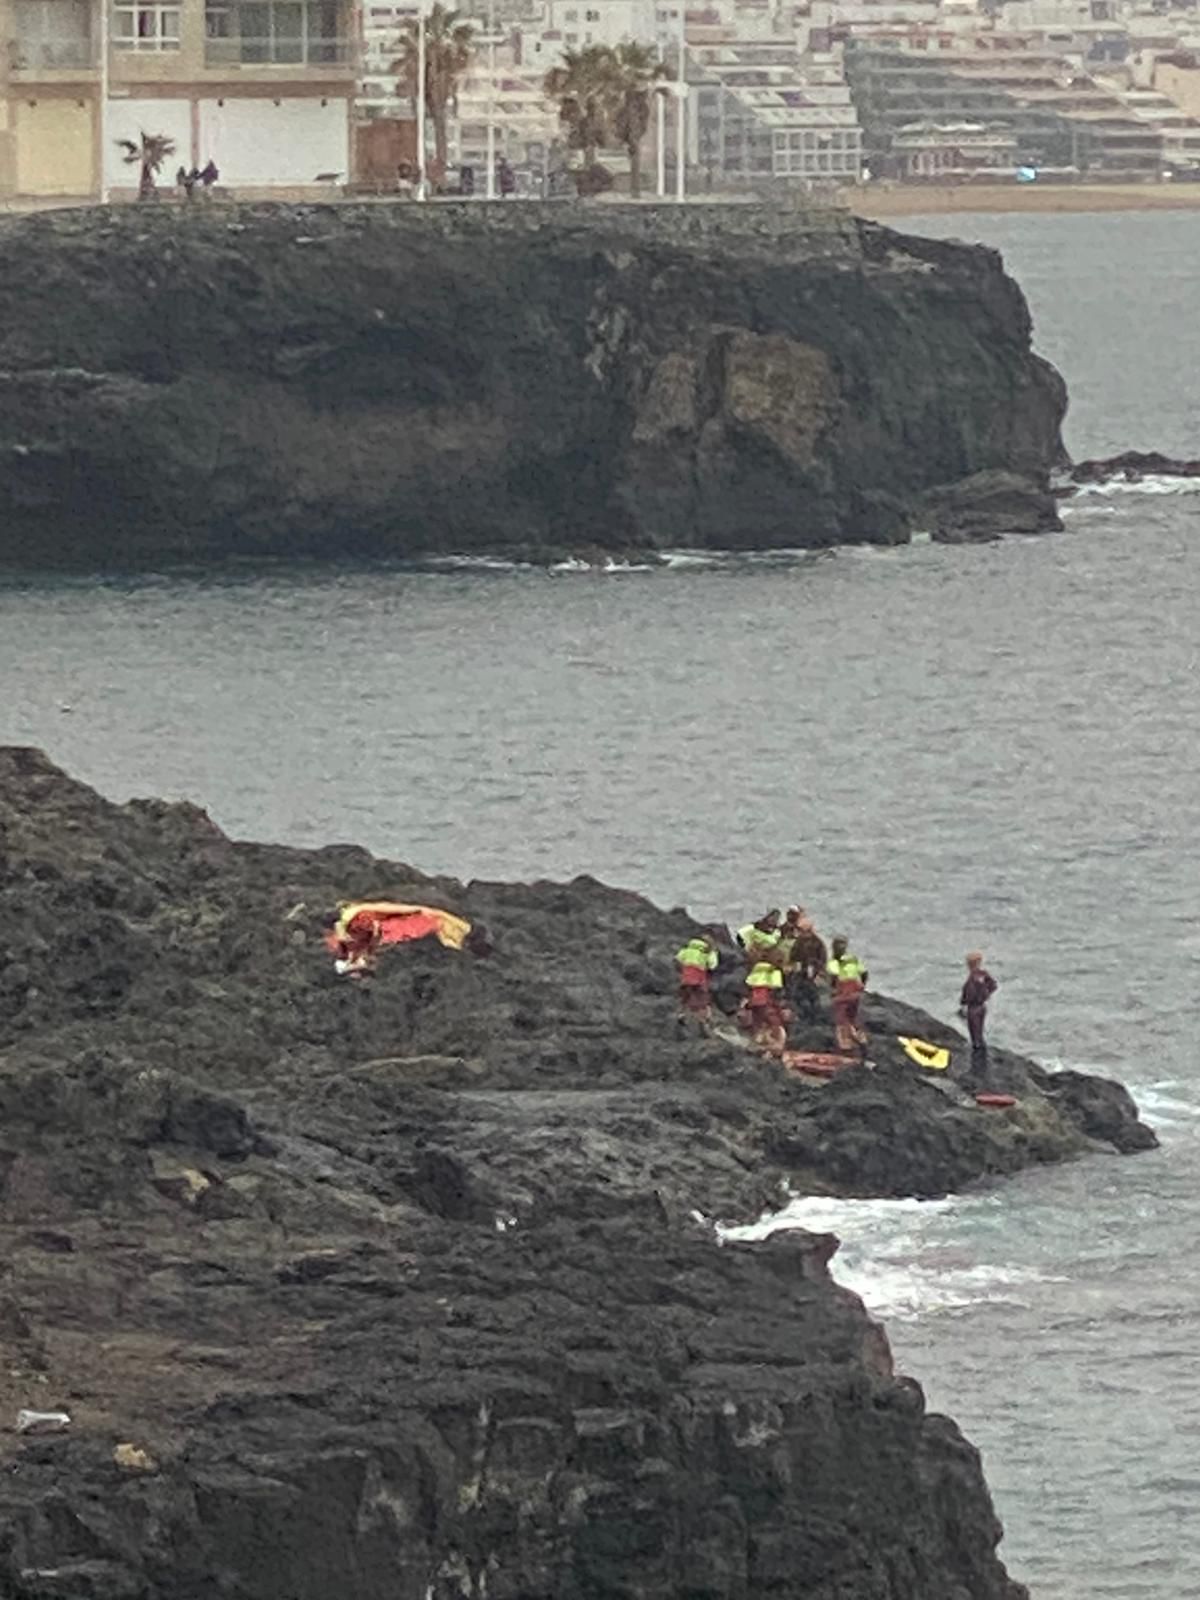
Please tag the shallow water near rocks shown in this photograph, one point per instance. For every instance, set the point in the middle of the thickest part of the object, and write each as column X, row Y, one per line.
column 931, row 747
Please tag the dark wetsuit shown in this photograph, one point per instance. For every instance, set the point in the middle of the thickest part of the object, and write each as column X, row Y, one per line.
column 976, row 992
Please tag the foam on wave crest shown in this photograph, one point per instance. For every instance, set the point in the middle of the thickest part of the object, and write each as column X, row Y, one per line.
column 903, row 1258
column 1153, row 483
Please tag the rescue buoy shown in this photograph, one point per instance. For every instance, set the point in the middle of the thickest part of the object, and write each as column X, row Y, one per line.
column 933, row 1056
column 815, row 1064
column 999, row 1102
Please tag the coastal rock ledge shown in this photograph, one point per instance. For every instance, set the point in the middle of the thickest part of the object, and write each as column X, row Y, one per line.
column 404, row 1293
column 201, row 383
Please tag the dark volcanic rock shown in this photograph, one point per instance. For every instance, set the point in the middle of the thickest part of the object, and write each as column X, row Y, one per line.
column 199, row 383
column 405, row 1291
column 989, row 505
column 1133, row 465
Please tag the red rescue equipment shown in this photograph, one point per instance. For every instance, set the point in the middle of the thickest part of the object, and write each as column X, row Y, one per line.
column 814, row 1064
column 396, row 923
column 999, row 1102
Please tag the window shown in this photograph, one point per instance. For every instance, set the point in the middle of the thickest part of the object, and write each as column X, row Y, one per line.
column 273, row 33
column 51, row 33
column 571, row 16
column 145, row 27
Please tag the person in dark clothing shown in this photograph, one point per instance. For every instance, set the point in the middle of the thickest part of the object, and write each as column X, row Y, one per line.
column 805, row 963
column 973, row 1003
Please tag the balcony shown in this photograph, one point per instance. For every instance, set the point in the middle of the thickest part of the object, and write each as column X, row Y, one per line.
column 51, row 39
column 265, row 51
column 51, row 55
column 276, row 33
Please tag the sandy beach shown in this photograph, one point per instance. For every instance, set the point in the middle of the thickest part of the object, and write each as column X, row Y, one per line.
column 877, row 201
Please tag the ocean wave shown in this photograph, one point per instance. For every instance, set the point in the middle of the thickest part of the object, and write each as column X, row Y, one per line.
column 1163, row 1105
column 825, row 1214
column 1152, row 483
column 577, row 564
column 895, row 1256
column 481, row 563
column 1084, row 507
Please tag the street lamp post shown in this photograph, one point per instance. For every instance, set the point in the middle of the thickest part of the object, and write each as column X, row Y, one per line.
column 491, row 131
column 660, row 148
column 421, row 101
column 103, row 119
column 681, row 105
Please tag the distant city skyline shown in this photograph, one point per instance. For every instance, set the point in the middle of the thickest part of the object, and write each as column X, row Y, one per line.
column 300, row 96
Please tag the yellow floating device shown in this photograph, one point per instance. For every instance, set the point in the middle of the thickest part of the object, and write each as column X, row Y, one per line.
column 934, row 1056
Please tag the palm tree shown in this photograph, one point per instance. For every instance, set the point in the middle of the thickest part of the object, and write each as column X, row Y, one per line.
column 635, row 68
column 448, row 41
column 149, row 154
column 584, row 89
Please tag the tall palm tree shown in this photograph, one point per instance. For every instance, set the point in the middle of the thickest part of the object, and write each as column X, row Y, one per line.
column 149, row 154
column 584, row 88
column 448, row 40
column 635, row 69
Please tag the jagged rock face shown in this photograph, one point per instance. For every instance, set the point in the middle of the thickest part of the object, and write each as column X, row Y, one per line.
column 363, row 380
column 397, row 1292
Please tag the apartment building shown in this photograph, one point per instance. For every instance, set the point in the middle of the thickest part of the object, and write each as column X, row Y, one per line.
column 262, row 87
column 762, row 117
column 957, row 150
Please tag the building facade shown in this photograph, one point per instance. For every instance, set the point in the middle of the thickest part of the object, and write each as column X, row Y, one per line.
column 762, row 117
column 262, row 87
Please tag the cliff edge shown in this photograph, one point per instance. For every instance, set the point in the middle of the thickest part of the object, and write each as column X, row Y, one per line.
column 405, row 1292
column 199, row 383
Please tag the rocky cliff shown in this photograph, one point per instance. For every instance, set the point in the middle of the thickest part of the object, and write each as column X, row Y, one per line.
column 406, row 1292
column 199, row 383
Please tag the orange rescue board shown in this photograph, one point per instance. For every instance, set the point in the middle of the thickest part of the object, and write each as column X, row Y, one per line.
column 816, row 1065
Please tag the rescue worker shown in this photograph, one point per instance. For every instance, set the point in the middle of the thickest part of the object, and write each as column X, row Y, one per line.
column 807, row 960
column 357, row 946
column 788, row 930
column 764, row 1007
column 847, row 980
column 696, row 961
column 758, row 938
column 973, row 1002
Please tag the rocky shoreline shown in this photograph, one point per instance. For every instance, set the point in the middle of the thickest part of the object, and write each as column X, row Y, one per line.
column 205, row 384
column 406, row 1290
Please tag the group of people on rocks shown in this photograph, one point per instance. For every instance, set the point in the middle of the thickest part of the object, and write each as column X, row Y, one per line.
column 786, row 964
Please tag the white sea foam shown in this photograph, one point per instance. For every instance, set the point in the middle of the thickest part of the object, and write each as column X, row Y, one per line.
column 1152, row 483
column 467, row 563
column 824, row 1214
column 900, row 1257
column 576, row 564
column 1163, row 1106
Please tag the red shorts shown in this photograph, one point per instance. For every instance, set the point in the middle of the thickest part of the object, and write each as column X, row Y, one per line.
column 693, row 977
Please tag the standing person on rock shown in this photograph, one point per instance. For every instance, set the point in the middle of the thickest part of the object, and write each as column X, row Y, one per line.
column 696, row 962
column 847, row 981
column 973, row 1003
column 805, row 964
column 764, row 1008
column 759, row 938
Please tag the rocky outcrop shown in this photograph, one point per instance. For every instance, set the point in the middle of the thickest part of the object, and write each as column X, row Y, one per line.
column 202, row 383
column 1132, row 466
column 407, row 1291
column 989, row 505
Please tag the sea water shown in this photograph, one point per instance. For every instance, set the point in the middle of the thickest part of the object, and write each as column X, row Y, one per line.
column 995, row 746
